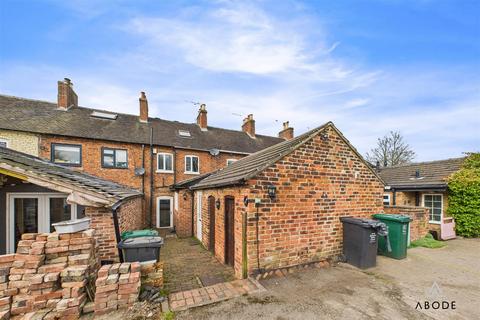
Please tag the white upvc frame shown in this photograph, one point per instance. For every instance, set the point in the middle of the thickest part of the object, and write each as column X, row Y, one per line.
column 198, row 161
column 231, row 160
column 441, row 211
column 43, row 213
column 388, row 197
column 6, row 141
column 163, row 170
column 170, row 199
column 199, row 215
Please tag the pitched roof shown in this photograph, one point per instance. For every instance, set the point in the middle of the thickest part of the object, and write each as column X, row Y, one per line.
column 44, row 117
column 42, row 172
column 248, row 167
column 433, row 174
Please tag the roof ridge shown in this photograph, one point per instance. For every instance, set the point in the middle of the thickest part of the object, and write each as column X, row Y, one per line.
column 422, row 162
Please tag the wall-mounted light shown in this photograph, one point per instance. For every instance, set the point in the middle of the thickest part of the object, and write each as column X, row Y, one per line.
column 245, row 201
column 272, row 191
column 185, row 196
column 324, row 136
column 324, row 195
column 217, row 204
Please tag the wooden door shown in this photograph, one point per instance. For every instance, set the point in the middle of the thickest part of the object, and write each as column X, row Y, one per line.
column 211, row 215
column 229, row 231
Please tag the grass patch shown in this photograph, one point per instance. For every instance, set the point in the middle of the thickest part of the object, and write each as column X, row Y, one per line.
column 427, row 242
column 169, row 315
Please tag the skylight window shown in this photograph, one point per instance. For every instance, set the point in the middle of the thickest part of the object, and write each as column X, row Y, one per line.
column 184, row 133
column 104, row 115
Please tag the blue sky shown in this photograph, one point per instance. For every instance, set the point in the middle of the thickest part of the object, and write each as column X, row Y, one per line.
column 368, row 66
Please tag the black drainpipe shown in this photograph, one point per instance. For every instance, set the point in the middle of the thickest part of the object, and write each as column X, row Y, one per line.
column 117, row 228
column 143, row 166
column 151, row 178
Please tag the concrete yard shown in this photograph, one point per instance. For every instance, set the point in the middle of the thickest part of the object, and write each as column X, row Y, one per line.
column 389, row 291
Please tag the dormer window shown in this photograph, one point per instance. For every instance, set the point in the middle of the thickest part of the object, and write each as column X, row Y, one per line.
column 184, row 133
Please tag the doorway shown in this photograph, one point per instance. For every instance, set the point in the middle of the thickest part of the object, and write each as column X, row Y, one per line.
column 211, row 215
column 229, row 231
column 164, row 212
column 199, row 215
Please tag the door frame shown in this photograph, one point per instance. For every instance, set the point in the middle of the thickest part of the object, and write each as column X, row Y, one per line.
column 170, row 199
column 226, row 231
column 199, row 215
column 43, row 213
column 211, row 221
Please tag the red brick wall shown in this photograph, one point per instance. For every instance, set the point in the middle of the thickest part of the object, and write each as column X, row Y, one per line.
column 419, row 226
column 316, row 185
column 183, row 216
column 102, row 222
column 131, row 216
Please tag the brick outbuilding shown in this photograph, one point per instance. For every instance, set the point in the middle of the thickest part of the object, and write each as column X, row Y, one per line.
column 281, row 206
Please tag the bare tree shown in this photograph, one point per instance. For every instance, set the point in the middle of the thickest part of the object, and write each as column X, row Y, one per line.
column 391, row 150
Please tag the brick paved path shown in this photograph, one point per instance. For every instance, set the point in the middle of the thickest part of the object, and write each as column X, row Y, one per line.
column 187, row 264
column 211, row 294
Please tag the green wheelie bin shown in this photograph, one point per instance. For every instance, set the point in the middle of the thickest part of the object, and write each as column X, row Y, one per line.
column 139, row 233
column 398, row 234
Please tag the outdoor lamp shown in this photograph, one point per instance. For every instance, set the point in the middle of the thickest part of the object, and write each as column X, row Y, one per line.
column 217, row 204
column 272, row 191
column 184, row 196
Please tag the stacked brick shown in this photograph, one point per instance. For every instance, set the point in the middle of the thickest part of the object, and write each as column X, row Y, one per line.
column 117, row 287
column 47, row 276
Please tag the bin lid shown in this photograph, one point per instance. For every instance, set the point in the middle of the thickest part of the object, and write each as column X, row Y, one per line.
column 363, row 222
column 393, row 217
column 139, row 233
column 141, row 242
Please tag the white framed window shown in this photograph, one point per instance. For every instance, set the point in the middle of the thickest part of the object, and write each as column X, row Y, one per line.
column 434, row 202
column 386, row 199
column 165, row 162
column 192, row 165
column 230, row 161
column 3, row 143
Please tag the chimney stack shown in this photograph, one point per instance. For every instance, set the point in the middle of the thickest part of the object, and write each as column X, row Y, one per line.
column 248, row 126
column 143, row 107
column 202, row 117
column 66, row 98
column 287, row 131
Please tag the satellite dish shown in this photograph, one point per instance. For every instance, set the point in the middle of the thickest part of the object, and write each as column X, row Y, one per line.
column 139, row 171
column 214, row 152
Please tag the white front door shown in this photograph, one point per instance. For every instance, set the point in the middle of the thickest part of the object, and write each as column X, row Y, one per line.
column 164, row 212
column 199, row 215
column 35, row 213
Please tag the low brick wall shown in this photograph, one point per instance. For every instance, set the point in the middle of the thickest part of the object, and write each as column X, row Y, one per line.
column 117, row 287
column 419, row 225
column 48, row 276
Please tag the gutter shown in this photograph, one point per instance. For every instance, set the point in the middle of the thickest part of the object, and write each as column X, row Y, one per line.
column 240, row 182
column 437, row 187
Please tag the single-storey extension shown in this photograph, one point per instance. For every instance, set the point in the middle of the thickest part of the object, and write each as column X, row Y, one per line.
column 35, row 193
column 281, row 206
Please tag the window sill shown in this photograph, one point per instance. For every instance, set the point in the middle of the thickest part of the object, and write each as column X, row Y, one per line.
column 163, row 171
column 434, row 222
column 118, row 168
column 192, row 173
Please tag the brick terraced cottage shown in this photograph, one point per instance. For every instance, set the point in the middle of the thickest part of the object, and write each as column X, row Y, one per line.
column 281, row 206
column 144, row 153
column 35, row 193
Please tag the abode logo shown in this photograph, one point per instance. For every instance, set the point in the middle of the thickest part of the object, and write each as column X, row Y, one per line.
column 436, row 300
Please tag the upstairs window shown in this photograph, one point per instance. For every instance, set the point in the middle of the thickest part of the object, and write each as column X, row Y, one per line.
column 114, row 158
column 67, row 154
column 3, row 143
column 192, row 164
column 164, row 162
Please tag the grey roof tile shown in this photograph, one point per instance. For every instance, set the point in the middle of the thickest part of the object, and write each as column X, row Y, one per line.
column 44, row 117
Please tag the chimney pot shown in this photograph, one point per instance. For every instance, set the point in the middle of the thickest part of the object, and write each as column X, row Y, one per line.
column 202, row 117
column 287, row 131
column 143, row 107
column 248, row 126
column 66, row 97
